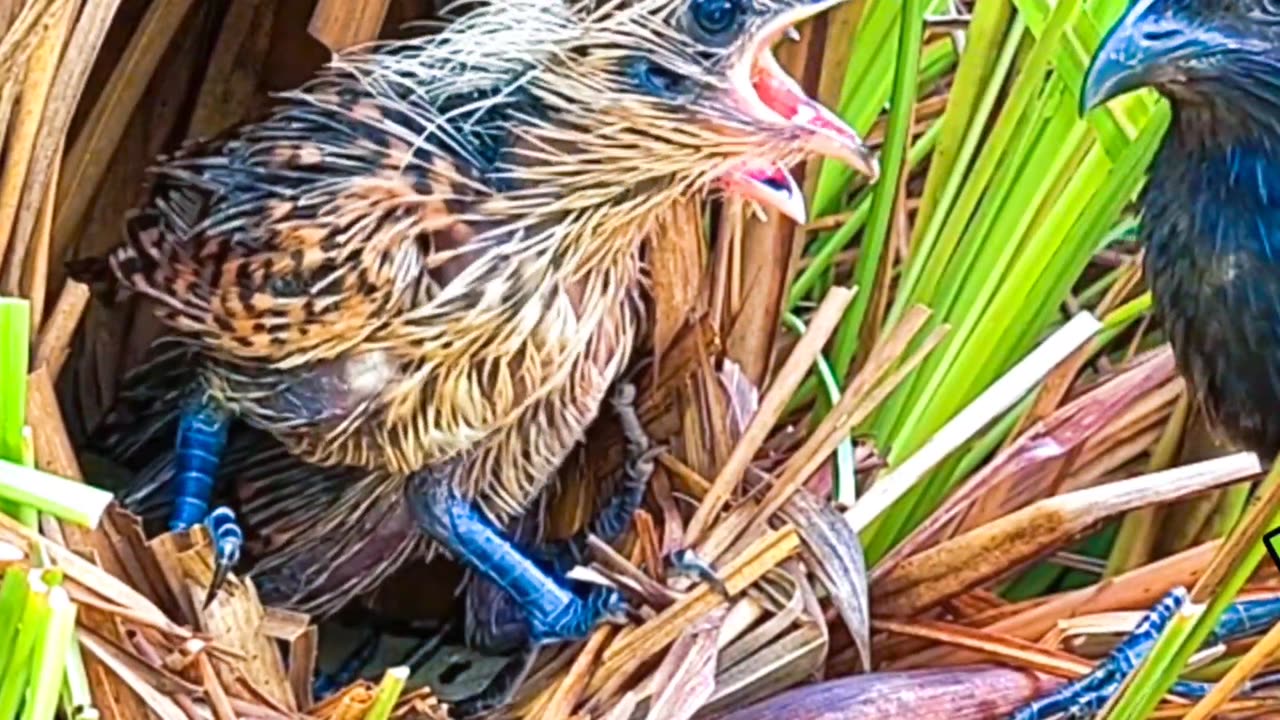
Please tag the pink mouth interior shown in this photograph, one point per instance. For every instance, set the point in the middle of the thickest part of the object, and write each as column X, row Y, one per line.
column 782, row 95
column 773, row 176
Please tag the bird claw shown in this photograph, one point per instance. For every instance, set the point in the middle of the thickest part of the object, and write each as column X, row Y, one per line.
column 228, row 540
column 577, row 619
column 1086, row 696
column 686, row 563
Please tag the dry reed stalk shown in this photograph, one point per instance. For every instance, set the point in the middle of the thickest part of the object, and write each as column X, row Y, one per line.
column 1139, row 588
column 854, row 406
column 789, row 377
column 300, row 638
column 1006, row 543
column 86, row 39
column 54, row 451
column 1136, row 539
column 1235, row 546
column 1257, row 656
column 123, row 670
column 767, row 250
column 218, row 700
column 1029, row 467
column 676, row 261
column 91, row 153
column 35, row 279
column 53, row 345
column 230, row 85
column 33, row 99
column 22, row 33
column 568, row 692
column 989, row 645
column 340, row 24
column 995, row 400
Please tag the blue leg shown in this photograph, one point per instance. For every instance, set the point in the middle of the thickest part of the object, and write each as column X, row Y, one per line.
column 554, row 613
column 348, row 671
column 1244, row 618
column 202, row 437
column 1086, row 696
column 495, row 624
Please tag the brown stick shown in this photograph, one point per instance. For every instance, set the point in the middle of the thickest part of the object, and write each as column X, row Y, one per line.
column 339, row 24
column 53, row 345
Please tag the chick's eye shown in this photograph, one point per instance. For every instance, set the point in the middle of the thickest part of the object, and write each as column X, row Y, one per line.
column 716, row 16
column 658, row 80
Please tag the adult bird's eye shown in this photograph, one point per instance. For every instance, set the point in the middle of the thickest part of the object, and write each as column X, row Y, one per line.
column 716, row 16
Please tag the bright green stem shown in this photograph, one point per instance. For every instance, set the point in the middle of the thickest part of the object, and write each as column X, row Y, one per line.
column 62, row 498
column 830, row 246
column 885, row 196
column 389, row 690
column 1178, row 643
column 51, row 658
column 13, row 597
column 15, row 348
column 20, row 669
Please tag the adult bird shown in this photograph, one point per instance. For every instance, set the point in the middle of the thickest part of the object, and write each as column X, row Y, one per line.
column 1210, row 221
column 427, row 262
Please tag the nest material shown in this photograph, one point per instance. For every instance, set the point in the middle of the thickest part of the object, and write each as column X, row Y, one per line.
column 757, row 480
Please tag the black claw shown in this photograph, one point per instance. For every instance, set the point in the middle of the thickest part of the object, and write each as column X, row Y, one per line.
column 686, row 562
column 227, row 541
column 220, row 572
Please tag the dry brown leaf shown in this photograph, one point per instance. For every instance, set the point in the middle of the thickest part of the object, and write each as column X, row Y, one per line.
column 686, row 678
column 340, row 24
column 1009, row 542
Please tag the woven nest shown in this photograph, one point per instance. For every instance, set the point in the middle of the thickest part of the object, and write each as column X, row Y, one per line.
column 93, row 91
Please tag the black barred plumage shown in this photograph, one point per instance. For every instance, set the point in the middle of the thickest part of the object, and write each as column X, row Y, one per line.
column 427, row 262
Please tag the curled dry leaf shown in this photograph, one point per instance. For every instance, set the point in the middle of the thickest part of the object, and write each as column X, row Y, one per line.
column 687, row 676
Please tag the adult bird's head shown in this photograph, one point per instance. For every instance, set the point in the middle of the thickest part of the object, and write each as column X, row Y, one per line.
column 1214, row 59
column 667, row 98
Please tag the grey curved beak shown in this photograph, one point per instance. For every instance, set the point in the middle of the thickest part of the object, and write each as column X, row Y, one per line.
column 1139, row 45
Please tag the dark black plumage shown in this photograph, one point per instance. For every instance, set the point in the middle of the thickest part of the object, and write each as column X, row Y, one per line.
column 1211, row 207
column 1211, row 226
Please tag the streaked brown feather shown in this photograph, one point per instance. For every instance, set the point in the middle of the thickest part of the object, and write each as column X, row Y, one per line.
column 432, row 251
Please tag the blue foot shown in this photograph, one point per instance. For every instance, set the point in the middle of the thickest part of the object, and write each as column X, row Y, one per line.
column 1083, row 698
column 202, row 438
column 1086, row 696
column 554, row 613
column 1245, row 618
column 228, row 539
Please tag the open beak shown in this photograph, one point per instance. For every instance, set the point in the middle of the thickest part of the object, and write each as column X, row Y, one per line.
column 770, row 94
column 771, row 185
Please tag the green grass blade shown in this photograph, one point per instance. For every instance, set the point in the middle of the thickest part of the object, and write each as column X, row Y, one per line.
column 389, row 690
column 16, row 681
column 51, row 657
column 885, row 194
column 66, row 499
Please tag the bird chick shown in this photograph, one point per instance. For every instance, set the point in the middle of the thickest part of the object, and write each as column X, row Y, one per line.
column 1211, row 227
column 426, row 262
